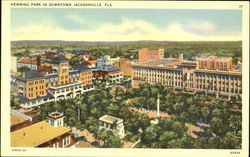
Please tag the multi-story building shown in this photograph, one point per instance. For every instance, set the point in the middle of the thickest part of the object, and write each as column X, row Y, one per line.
column 112, row 73
column 105, row 61
column 150, row 55
column 113, row 124
column 34, row 88
column 44, row 134
column 125, row 65
column 187, row 76
column 215, row 63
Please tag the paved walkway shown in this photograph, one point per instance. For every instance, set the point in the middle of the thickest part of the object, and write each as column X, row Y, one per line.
column 89, row 136
column 191, row 128
column 150, row 114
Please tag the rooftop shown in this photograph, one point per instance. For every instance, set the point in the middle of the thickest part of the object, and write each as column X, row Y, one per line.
column 219, row 72
column 27, row 61
column 55, row 115
column 108, row 68
column 59, row 59
column 110, row 119
column 85, row 145
column 36, row 134
column 81, row 68
column 214, row 58
column 16, row 119
column 65, row 86
column 159, row 62
column 24, row 99
column 31, row 74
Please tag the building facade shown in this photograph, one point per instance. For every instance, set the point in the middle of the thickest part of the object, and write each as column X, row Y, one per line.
column 34, row 88
column 125, row 66
column 32, row 65
column 113, row 124
column 210, row 82
column 150, row 55
column 106, row 61
column 215, row 63
column 111, row 73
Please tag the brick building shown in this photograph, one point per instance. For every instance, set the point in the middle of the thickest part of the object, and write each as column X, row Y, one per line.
column 150, row 55
column 215, row 63
column 125, row 66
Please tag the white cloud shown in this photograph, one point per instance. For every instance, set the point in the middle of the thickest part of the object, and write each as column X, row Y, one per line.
column 75, row 18
column 127, row 31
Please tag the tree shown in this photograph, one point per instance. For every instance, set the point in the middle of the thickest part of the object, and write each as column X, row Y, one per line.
column 75, row 60
column 14, row 102
column 23, row 69
column 113, row 142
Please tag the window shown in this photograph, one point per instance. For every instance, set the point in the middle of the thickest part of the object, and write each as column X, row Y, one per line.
column 55, row 145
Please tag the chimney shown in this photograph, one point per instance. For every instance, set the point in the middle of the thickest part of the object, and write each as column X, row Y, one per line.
column 181, row 57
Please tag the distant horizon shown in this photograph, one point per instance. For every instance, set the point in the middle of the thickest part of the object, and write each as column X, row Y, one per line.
column 134, row 41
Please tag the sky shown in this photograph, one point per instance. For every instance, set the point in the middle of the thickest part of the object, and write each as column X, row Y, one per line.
column 87, row 24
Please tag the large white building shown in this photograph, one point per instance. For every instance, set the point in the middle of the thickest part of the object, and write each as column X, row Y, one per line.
column 113, row 124
column 106, row 60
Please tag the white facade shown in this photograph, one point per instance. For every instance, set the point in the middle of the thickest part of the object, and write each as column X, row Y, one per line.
column 56, row 119
column 106, row 60
column 113, row 124
column 115, row 78
column 28, row 65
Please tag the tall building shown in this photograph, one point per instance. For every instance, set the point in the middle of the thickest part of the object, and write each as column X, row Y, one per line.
column 150, row 55
column 113, row 124
column 186, row 76
column 215, row 63
column 34, row 88
column 126, row 66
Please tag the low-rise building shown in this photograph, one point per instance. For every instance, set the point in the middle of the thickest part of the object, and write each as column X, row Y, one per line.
column 113, row 124
column 44, row 134
column 106, row 61
column 31, row 64
column 112, row 73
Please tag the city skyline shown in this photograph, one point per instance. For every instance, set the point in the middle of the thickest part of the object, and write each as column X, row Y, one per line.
column 125, row 24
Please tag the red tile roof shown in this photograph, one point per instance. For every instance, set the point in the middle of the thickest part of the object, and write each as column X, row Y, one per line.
column 27, row 61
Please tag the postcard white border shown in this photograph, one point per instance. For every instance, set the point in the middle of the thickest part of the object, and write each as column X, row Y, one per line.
column 6, row 150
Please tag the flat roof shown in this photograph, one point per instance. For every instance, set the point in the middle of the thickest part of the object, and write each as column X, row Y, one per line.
column 219, row 72
column 85, row 145
column 36, row 134
column 65, row 85
column 110, row 119
column 16, row 119
column 164, row 61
